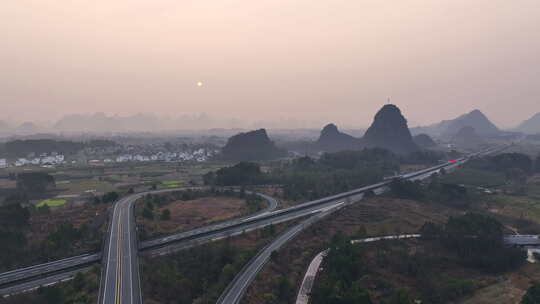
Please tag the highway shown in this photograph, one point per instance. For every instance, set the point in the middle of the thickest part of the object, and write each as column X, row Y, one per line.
column 192, row 239
column 29, row 278
column 121, row 280
column 49, row 280
column 182, row 236
column 236, row 289
column 50, row 267
column 120, row 276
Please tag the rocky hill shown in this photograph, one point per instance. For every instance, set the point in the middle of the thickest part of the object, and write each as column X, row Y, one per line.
column 467, row 138
column 531, row 125
column 253, row 145
column 424, row 141
column 389, row 131
column 448, row 128
column 331, row 140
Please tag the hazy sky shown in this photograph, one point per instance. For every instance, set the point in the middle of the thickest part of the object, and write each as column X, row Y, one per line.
column 330, row 60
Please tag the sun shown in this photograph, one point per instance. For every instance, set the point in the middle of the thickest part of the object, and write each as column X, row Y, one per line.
column 199, row 84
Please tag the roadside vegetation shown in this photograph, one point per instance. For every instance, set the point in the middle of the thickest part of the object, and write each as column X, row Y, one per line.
column 53, row 213
column 82, row 289
column 461, row 257
column 201, row 274
column 166, row 213
column 279, row 280
column 306, row 178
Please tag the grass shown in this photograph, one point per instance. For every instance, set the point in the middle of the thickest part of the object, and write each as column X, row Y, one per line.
column 172, row 184
column 52, row 203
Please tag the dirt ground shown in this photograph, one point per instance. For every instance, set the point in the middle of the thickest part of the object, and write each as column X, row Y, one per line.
column 186, row 215
column 43, row 224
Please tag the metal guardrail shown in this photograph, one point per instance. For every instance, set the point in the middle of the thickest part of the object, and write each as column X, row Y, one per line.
column 299, row 228
column 39, row 270
column 274, row 214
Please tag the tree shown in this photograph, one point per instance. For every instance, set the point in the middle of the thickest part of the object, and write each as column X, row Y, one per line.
column 14, row 217
column 477, row 240
column 63, row 238
column 110, row 197
column 51, row 295
column 401, row 296
column 532, row 296
column 537, row 164
column 16, row 199
column 285, row 290
column 430, row 231
column 34, row 183
column 148, row 214
column 361, row 232
column 209, row 178
column 507, row 161
column 165, row 215
column 405, row 189
column 243, row 173
column 79, row 281
column 227, row 273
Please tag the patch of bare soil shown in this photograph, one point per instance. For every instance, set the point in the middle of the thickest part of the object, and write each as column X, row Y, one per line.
column 186, row 215
column 41, row 225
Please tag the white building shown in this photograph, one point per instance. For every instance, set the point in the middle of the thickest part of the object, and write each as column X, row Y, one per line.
column 3, row 163
column 21, row 162
column 124, row 158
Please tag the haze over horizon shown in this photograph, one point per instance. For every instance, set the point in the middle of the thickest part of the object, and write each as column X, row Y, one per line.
column 271, row 60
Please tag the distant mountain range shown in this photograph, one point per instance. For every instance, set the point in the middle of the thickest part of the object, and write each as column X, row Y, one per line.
column 448, row 128
column 531, row 125
column 103, row 123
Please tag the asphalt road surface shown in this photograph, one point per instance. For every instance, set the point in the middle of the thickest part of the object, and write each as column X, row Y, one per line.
column 236, row 289
column 35, row 284
column 50, row 267
column 121, row 265
column 121, row 280
column 121, row 276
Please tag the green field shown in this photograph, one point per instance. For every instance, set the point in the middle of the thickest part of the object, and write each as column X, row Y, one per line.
column 52, row 203
column 172, row 184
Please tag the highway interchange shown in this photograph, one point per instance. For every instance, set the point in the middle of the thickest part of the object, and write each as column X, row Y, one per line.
column 120, row 280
